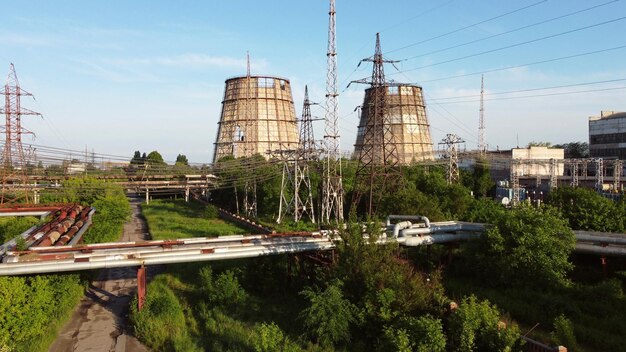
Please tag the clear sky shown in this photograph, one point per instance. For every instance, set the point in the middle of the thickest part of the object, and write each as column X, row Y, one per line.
column 120, row 76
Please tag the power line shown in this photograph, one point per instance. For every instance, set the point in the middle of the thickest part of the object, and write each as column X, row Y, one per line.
column 467, row 27
column 510, row 31
column 533, row 89
column 538, row 95
column 516, row 44
column 526, row 64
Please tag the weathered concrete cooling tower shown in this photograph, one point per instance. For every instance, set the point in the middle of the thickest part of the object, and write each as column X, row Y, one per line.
column 404, row 107
column 257, row 116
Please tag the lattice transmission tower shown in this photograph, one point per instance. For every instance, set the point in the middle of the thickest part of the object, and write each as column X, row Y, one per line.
column 482, row 143
column 249, row 190
column 377, row 170
column 296, row 194
column 14, row 158
column 451, row 141
column 332, row 184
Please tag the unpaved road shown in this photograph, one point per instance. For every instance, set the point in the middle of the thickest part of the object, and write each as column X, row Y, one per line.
column 100, row 322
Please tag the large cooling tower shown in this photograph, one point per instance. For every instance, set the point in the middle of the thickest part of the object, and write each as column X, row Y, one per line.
column 404, row 105
column 257, row 116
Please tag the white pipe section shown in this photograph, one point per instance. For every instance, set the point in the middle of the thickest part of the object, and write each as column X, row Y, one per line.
column 440, row 238
column 400, row 226
column 117, row 261
column 41, row 214
column 408, row 217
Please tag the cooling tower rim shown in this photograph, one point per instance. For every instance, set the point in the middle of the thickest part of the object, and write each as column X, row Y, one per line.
column 233, row 78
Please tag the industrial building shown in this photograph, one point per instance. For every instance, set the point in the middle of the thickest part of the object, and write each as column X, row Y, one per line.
column 406, row 111
column 607, row 135
column 257, row 116
column 540, row 155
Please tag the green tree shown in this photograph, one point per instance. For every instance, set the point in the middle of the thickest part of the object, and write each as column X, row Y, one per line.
column 329, row 315
column 526, row 246
column 155, row 158
column 482, row 178
column 587, row 210
column 137, row 160
column 575, row 150
column 538, row 144
column 476, row 326
column 182, row 159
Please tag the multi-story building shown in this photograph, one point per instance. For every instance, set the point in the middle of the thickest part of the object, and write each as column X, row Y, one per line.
column 607, row 135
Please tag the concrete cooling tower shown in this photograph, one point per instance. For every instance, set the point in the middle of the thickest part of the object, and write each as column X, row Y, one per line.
column 257, row 116
column 404, row 105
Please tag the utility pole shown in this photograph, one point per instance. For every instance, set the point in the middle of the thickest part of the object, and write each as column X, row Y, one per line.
column 332, row 184
column 249, row 196
column 482, row 144
column 452, row 154
column 14, row 157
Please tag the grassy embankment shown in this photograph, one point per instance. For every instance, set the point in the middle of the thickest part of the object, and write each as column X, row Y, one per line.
column 34, row 308
column 219, row 306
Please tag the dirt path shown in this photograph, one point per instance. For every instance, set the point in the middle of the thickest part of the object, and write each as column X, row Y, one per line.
column 99, row 323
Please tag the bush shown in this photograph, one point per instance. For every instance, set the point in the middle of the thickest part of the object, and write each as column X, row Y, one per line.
column 270, row 338
column 226, row 290
column 421, row 334
column 476, row 326
column 563, row 334
column 161, row 323
column 526, row 246
column 329, row 315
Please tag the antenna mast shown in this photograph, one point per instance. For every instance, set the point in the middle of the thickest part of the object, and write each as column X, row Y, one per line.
column 249, row 193
column 482, row 145
column 332, row 191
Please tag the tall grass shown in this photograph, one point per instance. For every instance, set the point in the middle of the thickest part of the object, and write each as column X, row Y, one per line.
column 172, row 219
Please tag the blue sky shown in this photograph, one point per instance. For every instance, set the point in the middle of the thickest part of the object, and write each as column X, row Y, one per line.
column 119, row 76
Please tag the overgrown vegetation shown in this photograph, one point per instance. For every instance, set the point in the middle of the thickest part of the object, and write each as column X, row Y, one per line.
column 369, row 300
column 34, row 308
column 171, row 219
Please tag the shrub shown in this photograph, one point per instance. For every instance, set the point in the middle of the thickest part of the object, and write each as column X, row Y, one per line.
column 526, row 246
column 329, row 315
column 563, row 333
column 476, row 326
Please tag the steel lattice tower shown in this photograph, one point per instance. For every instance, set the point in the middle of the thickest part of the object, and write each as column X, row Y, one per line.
column 14, row 158
column 249, row 192
column 514, row 178
column 296, row 196
column 303, row 193
column 452, row 154
column 378, row 158
column 599, row 175
column 332, row 185
column 482, row 144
